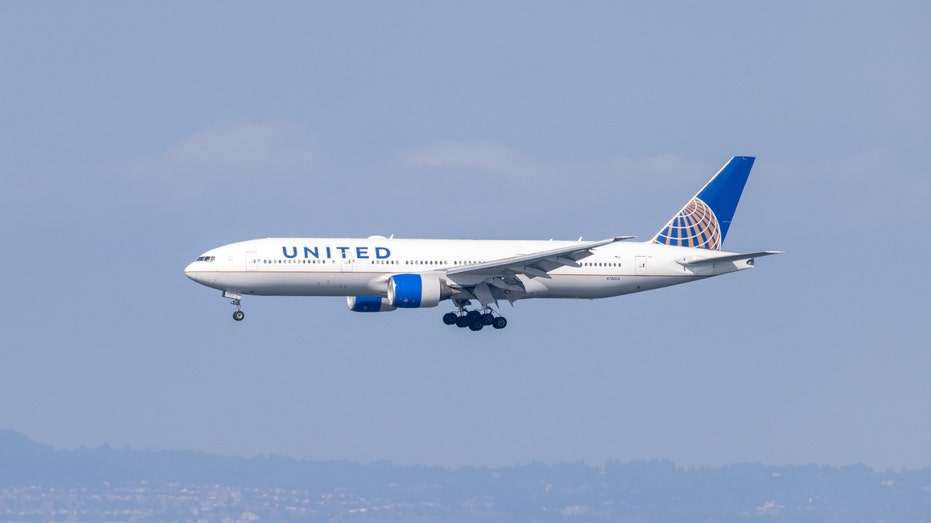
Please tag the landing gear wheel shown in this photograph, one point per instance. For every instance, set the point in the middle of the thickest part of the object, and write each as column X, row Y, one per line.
column 487, row 319
column 462, row 322
column 239, row 315
column 500, row 322
column 450, row 318
column 476, row 324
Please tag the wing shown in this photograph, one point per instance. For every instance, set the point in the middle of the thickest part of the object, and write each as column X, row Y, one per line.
column 537, row 264
column 484, row 281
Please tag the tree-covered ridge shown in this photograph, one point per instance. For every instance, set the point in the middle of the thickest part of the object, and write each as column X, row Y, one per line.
column 635, row 491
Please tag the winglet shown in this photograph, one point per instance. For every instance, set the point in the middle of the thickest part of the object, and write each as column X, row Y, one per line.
column 705, row 219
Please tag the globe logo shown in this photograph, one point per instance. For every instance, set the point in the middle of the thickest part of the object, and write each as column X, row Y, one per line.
column 694, row 226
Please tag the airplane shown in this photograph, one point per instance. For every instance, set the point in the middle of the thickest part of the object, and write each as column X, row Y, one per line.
column 378, row 273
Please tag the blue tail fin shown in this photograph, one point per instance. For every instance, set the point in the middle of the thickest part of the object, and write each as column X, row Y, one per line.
column 704, row 220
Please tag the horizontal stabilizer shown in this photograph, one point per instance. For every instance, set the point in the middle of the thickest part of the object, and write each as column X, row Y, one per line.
column 703, row 262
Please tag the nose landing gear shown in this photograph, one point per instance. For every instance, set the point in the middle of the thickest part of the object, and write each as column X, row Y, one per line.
column 237, row 301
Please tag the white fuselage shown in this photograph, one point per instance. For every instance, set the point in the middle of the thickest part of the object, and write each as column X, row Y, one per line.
column 362, row 267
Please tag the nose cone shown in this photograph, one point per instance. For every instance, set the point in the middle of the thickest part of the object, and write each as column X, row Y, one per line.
column 206, row 269
column 192, row 272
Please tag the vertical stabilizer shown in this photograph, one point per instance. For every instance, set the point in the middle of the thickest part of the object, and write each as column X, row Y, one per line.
column 705, row 219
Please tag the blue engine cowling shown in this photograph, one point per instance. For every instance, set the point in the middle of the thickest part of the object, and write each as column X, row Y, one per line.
column 368, row 304
column 411, row 291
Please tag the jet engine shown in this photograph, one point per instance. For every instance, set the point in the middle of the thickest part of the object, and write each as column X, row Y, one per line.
column 368, row 304
column 411, row 291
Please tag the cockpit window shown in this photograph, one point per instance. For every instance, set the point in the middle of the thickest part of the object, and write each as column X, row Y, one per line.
column 207, row 258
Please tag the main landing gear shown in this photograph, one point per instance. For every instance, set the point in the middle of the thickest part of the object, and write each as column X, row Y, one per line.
column 474, row 320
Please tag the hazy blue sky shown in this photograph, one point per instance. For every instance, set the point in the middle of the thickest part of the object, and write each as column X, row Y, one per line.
column 137, row 135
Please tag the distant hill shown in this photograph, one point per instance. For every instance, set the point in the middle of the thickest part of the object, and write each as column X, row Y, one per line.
column 23, row 461
column 615, row 492
column 16, row 445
